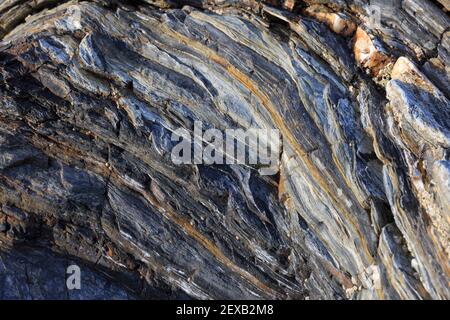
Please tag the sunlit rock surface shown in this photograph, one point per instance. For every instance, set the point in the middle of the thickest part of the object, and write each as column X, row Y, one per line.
column 91, row 92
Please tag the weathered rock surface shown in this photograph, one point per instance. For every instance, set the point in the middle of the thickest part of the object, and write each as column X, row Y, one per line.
column 90, row 92
column 39, row 274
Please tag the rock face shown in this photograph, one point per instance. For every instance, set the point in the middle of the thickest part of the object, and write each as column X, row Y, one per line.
column 91, row 91
column 39, row 274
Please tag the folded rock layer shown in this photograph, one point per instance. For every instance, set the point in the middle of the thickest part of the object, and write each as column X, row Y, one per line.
column 91, row 92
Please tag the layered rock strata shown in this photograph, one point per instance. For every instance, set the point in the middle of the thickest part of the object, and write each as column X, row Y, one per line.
column 91, row 91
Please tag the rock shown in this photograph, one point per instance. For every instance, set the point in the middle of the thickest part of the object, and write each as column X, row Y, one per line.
column 27, row 273
column 356, row 207
column 338, row 23
column 368, row 54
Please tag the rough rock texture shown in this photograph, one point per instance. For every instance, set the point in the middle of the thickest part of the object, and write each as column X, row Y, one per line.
column 39, row 274
column 90, row 92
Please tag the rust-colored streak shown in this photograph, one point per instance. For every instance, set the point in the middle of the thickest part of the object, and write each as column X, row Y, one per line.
column 287, row 134
column 186, row 226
